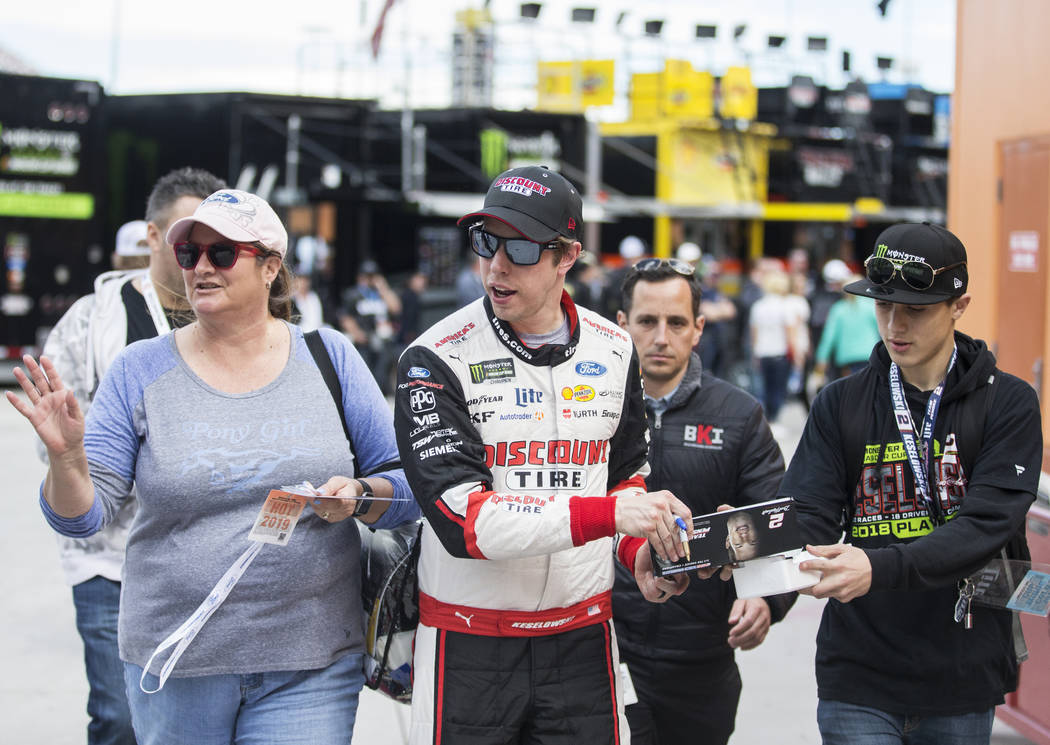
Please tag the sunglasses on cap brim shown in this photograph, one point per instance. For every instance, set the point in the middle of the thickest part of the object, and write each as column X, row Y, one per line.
column 681, row 267
column 520, row 251
column 220, row 255
column 918, row 275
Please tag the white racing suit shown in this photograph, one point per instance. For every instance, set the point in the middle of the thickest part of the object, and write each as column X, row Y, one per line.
column 516, row 456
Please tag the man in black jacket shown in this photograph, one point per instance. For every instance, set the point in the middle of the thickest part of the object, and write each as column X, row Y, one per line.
column 933, row 480
column 710, row 445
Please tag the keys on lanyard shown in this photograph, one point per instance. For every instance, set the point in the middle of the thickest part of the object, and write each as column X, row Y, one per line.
column 962, row 605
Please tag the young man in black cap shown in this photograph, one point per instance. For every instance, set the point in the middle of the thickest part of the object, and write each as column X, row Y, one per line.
column 522, row 430
column 928, row 459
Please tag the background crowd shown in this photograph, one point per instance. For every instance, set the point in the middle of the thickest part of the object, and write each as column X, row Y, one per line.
column 784, row 329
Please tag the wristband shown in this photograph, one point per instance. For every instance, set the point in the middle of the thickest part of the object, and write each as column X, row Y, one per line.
column 364, row 502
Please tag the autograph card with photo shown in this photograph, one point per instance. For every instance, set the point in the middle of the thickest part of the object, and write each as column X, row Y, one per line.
column 737, row 536
column 277, row 518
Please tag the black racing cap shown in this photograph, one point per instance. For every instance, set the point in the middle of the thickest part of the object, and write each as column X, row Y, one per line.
column 534, row 200
column 924, row 242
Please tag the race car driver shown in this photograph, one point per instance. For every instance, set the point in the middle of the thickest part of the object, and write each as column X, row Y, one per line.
column 522, row 430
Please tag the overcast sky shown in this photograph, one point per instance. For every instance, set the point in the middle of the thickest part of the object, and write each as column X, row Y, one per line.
column 320, row 47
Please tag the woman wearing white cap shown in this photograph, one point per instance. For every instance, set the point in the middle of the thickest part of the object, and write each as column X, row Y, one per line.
column 206, row 421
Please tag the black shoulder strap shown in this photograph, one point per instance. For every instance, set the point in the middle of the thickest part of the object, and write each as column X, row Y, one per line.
column 324, row 363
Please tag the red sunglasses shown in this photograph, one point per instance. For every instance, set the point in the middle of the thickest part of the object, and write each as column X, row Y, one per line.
column 221, row 255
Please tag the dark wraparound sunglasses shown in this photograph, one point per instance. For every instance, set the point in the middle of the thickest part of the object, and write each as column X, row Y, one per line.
column 918, row 275
column 682, row 267
column 221, row 255
column 520, row 251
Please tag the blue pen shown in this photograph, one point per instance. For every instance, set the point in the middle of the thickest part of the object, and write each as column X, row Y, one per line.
column 683, row 533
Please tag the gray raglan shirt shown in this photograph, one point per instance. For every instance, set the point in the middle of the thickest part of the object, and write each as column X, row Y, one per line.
column 204, row 462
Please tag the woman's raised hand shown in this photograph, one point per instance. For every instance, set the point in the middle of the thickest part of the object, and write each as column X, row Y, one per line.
column 52, row 409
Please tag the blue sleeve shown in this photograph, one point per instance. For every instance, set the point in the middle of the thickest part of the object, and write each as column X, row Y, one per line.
column 371, row 424
column 75, row 527
column 109, row 432
column 110, row 437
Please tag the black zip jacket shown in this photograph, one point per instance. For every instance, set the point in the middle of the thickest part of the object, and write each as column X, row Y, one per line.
column 711, row 446
column 898, row 648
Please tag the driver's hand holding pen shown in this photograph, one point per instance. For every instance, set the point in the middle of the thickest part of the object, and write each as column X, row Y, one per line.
column 653, row 516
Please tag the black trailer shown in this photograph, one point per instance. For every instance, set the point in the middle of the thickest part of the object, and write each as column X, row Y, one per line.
column 295, row 151
column 52, row 167
column 300, row 152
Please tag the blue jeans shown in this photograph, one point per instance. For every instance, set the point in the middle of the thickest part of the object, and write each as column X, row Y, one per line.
column 303, row 707
column 841, row 724
column 97, row 603
column 775, row 372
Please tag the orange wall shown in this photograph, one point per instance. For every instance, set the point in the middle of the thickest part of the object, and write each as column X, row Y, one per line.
column 1002, row 73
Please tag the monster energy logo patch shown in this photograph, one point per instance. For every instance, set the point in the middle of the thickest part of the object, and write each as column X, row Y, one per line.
column 881, row 249
column 491, row 370
column 493, row 152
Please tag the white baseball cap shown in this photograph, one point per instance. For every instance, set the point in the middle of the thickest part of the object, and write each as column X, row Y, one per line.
column 131, row 239
column 689, row 251
column 632, row 247
column 238, row 216
column 836, row 270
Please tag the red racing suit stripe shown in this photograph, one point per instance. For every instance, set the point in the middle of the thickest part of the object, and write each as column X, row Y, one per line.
column 492, row 622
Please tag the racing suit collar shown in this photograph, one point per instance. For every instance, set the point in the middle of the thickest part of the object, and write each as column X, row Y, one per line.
column 548, row 354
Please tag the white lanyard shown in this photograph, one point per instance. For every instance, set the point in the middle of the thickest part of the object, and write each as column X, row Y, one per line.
column 906, row 425
column 274, row 524
column 156, row 310
column 184, row 634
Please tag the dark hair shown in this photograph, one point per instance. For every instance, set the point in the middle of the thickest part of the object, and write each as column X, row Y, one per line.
column 564, row 246
column 184, row 182
column 280, row 302
column 661, row 273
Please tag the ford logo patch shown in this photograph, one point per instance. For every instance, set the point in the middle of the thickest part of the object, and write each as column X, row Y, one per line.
column 590, row 369
column 418, row 372
column 222, row 196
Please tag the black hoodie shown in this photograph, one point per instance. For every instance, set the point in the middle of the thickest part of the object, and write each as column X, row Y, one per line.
column 898, row 648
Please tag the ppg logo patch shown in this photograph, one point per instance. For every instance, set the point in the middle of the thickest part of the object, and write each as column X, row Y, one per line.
column 421, row 399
